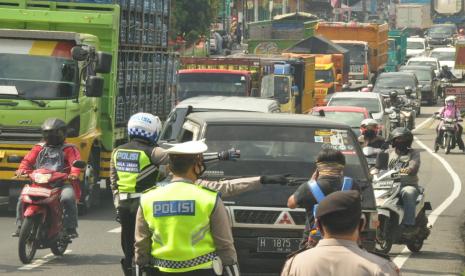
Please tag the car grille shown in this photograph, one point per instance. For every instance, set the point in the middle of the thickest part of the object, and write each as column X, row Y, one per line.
column 20, row 135
column 265, row 216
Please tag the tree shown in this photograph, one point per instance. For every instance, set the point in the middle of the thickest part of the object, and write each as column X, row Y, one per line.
column 193, row 17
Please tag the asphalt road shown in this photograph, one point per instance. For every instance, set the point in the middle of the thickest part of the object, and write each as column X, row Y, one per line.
column 97, row 251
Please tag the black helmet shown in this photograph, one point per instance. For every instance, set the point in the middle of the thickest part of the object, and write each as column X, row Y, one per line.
column 54, row 131
column 445, row 67
column 401, row 132
column 393, row 94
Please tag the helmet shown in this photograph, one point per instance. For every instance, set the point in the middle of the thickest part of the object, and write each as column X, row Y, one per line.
column 369, row 122
column 393, row 94
column 402, row 132
column 450, row 99
column 145, row 126
column 408, row 90
column 365, row 89
column 54, row 131
column 445, row 67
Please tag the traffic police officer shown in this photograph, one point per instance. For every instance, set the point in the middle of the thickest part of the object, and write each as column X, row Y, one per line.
column 182, row 227
column 135, row 167
column 339, row 220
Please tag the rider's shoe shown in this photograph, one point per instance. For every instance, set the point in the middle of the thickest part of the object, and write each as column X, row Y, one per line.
column 436, row 147
column 16, row 233
column 71, row 233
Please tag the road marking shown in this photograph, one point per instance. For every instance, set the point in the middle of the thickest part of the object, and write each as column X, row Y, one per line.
column 116, row 230
column 434, row 215
column 38, row 262
column 422, row 124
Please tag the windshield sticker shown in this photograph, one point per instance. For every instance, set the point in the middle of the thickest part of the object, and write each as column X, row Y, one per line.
column 323, row 132
column 319, row 139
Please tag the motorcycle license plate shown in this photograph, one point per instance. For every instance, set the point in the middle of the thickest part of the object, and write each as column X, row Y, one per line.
column 383, row 184
column 277, row 245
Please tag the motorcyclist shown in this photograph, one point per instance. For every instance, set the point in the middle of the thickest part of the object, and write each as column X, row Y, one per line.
column 52, row 153
column 369, row 137
column 446, row 73
column 394, row 100
column 449, row 110
column 403, row 157
column 411, row 103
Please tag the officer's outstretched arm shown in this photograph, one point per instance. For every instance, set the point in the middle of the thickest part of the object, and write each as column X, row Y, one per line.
column 222, row 236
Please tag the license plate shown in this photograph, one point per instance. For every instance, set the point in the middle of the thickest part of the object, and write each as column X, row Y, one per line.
column 277, row 245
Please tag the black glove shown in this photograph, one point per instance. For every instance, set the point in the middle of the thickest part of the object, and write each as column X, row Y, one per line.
column 274, row 179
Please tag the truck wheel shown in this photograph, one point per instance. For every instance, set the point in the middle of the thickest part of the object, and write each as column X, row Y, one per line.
column 90, row 188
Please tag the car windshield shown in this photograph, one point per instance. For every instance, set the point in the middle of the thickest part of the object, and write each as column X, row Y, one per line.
column 351, row 119
column 326, row 75
column 39, row 77
column 357, row 52
column 443, row 56
column 398, row 82
column 211, row 84
column 415, row 45
column 423, row 63
column 274, row 149
column 371, row 104
column 422, row 75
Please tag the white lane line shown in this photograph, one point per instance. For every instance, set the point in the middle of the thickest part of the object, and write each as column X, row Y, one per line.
column 38, row 262
column 434, row 215
column 422, row 124
column 116, row 230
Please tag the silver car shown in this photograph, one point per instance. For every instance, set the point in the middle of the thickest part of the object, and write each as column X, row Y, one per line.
column 373, row 102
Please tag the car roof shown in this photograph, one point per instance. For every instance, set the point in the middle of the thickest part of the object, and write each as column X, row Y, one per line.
column 422, row 59
column 247, row 118
column 419, row 39
column 368, row 95
column 396, row 74
column 229, row 103
column 416, row 67
column 341, row 109
column 443, row 49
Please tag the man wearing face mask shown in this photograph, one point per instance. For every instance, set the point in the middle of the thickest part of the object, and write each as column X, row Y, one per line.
column 407, row 160
column 183, row 228
column 369, row 135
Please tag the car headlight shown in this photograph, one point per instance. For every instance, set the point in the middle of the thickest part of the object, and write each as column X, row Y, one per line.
column 41, row 178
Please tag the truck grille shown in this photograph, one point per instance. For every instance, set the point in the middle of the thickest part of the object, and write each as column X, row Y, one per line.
column 265, row 216
column 20, row 135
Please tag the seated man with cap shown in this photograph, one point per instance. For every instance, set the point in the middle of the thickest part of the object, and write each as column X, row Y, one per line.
column 340, row 221
column 183, row 228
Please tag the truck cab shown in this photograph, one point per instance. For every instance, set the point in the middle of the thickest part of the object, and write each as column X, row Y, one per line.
column 360, row 71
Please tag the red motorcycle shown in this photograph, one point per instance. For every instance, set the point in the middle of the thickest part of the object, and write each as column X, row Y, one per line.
column 43, row 214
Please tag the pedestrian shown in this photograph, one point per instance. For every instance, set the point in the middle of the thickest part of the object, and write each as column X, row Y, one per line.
column 135, row 167
column 329, row 175
column 183, row 228
column 339, row 218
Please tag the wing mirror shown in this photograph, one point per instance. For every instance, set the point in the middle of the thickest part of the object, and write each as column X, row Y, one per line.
column 94, row 86
column 103, row 62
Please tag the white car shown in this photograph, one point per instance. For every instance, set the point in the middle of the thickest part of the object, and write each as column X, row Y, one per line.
column 446, row 56
column 425, row 61
column 373, row 102
column 416, row 46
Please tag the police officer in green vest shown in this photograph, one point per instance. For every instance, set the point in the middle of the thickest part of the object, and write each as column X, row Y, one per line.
column 182, row 228
column 135, row 167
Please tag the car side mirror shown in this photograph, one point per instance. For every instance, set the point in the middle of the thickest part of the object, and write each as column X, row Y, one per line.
column 103, row 62
column 79, row 54
column 79, row 164
column 94, row 86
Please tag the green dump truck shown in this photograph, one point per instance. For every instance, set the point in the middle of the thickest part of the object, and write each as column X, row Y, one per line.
column 54, row 58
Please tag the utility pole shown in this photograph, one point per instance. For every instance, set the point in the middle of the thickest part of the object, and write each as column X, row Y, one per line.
column 255, row 10
column 283, row 8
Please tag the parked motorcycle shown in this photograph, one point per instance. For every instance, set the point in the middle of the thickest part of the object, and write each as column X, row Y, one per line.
column 387, row 187
column 42, row 225
column 449, row 131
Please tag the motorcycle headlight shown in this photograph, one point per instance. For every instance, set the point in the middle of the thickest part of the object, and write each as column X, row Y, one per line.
column 393, row 115
column 41, row 178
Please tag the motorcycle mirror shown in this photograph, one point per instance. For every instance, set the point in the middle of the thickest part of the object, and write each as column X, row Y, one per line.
column 79, row 164
column 382, row 160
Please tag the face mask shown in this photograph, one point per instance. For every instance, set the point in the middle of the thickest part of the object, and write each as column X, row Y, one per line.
column 402, row 147
column 369, row 133
column 199, row 168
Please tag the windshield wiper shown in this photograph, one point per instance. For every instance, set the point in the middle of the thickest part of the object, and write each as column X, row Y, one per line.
column 37, row 102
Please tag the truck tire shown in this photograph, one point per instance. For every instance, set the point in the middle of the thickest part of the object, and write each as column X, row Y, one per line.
column 90, row 196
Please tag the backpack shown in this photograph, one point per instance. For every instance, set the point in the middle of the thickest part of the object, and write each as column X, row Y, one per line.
column 314, row 233
column 51, row 158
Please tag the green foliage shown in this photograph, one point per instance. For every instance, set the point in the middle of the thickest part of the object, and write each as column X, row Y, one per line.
column 193, row 17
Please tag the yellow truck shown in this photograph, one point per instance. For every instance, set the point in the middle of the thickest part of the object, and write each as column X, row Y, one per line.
column 367, row 44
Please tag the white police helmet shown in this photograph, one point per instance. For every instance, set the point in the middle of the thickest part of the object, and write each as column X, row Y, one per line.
column 450, row 99
column 189, row 148
column 145, row 126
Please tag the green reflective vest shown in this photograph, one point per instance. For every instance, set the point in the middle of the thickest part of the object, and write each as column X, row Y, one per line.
column 178, row 216
column 129, row 164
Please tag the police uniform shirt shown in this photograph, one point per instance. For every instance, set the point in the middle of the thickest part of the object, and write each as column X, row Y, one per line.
column 334, row 257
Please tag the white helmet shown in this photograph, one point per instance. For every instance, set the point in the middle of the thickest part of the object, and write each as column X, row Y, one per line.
column 145, row 126
column 450, row 99
column 368, row 122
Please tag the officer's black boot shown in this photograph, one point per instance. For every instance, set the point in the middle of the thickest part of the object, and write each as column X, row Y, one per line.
column 127, row 269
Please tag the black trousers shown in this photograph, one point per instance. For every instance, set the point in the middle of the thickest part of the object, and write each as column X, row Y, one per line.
column 127, row 214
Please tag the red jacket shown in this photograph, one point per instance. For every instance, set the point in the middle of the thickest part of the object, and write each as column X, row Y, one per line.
column 71, row 154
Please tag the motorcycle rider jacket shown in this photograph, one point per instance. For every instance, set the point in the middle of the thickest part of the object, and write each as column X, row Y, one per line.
column 410, row 160
column 178, row 215
column 134, row 168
